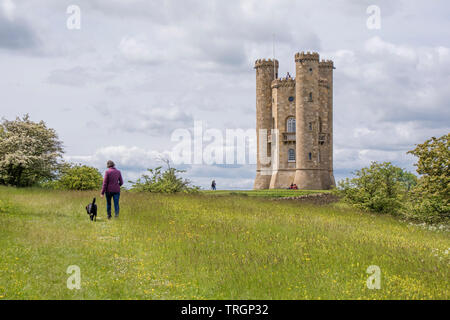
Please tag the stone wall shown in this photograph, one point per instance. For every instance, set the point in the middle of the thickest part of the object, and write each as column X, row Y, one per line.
column 283, row 107
column 266, row 72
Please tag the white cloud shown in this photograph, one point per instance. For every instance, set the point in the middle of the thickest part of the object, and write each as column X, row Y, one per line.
column 138, row 49
column 377, row 46
column 124, row 156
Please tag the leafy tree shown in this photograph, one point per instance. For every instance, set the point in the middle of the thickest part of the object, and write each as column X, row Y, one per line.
column 160, row 181
column 382, row 187
column 407, row 179
column 29, row 152
column 431, row 197
column 76, row 177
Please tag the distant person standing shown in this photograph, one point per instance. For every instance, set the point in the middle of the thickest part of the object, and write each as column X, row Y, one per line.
column 111, row 186
column 213, row 185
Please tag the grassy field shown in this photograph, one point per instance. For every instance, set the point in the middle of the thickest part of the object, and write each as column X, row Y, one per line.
column 273, row 193
column 211, row 247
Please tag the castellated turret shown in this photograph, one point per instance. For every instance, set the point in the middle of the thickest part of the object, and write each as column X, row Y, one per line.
column 298, row 116
column 266, row 72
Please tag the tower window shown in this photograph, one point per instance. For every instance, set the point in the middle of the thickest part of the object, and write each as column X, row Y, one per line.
column 310, row 70
column 291, row 99
column 290, row 124
column 310, row 126
column 310, row 96
column 310, row 156
column 291, row 155
column 320, row 125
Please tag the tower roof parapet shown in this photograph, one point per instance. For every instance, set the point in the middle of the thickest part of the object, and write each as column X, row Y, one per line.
column 326, row 64
column 277, row 83
column 266, row 63
column 306, row 56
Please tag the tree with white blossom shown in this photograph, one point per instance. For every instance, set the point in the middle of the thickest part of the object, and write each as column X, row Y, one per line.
column 29, row 152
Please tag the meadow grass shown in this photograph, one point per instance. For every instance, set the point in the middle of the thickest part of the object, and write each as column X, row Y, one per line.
column 272, row 193
column 211, row 247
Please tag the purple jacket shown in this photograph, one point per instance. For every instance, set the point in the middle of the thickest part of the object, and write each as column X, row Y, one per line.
column 112, row 181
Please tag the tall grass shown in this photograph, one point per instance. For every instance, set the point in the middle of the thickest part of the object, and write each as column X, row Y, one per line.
column 206, row 247
column 271, row 193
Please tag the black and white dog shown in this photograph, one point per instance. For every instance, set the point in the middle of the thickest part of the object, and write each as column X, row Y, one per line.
column 91, row 209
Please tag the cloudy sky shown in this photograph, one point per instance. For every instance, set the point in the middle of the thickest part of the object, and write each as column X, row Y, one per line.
column 139, row 69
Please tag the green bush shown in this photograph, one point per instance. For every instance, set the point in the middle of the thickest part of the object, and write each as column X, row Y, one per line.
column 381, row 187
column 430, row 199
column 76, row 177
column 428, row 208
column 159, row 181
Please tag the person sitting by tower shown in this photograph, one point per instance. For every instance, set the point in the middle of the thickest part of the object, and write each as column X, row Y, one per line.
column 295, row 187
column 291, row 186
column 288, row 76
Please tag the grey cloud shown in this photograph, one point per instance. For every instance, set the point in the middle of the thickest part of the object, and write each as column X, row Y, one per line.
column 151, row 121
column 78, row 76
column 213, row 36
column 16, row 34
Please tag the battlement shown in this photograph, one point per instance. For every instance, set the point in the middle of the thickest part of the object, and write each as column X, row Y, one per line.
column 260, row 63
column 323, row 82
column 326, row 64
column 306, row 56
column 277, row 83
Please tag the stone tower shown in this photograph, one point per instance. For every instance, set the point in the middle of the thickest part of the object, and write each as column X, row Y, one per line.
column 266, row 72
column 298, row 115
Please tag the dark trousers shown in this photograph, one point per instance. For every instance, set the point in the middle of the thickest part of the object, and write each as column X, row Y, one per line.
column 116, row 197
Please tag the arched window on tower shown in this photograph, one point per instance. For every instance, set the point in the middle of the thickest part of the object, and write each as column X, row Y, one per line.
column 290, row 124
column 310, row 96
column 291, row 155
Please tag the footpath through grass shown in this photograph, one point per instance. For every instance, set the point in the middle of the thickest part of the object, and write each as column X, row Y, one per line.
column 211, row 247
